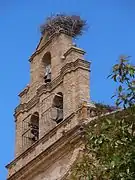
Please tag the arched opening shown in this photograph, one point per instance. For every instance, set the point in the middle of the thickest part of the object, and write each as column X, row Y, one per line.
column 47, row 67
column 34, row 127
column 57, row 108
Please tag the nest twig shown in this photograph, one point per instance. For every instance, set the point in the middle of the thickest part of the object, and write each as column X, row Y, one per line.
column 71, row 25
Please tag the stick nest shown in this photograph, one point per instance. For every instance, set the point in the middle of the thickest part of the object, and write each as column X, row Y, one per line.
column 72, row 25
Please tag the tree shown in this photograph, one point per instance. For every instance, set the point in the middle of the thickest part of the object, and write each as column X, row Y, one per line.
column 124, row 74
column 110, row 139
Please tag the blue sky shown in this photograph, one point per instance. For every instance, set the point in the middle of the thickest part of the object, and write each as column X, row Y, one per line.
column 111, row 33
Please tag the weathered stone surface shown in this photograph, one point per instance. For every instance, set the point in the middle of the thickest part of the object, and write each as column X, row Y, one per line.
column 52, row 155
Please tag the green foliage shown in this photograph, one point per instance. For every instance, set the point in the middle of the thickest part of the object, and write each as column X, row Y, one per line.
column 124, row 74
column 110, row 149
column 110, row 140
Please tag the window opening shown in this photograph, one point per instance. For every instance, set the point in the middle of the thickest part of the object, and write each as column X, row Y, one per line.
column 57, row 108
column 47, row 67
column 30, row 130
column 47, row 73
column 34, row 127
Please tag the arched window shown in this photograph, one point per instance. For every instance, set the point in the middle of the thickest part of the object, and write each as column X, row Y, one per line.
column 34, row 127
column 47, row 67
column 57, row 108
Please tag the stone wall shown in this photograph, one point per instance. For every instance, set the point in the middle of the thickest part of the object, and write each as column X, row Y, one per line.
column 70, row 76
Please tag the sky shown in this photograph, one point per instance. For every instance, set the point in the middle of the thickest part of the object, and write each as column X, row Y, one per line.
column 111, row 33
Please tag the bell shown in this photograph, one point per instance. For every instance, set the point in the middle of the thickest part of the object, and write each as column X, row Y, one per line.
column 57, row 114
column 47, row 74
column 48, row 78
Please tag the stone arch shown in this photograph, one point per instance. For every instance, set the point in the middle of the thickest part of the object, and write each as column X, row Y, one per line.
column 46, row 64
column 34, row 127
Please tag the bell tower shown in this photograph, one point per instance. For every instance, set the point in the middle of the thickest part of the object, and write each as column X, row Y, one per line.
column 49, row 114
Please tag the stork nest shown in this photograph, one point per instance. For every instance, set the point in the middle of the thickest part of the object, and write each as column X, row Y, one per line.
column 71, row 25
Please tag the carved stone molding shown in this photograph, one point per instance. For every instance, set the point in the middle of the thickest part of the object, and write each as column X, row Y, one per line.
column 26, row 106
column 48, row 87
column 75, row 49
column 24, row 91
column 72, row 66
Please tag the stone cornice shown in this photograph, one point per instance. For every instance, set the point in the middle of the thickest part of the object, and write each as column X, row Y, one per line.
column 74, row 49
column 24, row 91
column 48, row 87
column 72, row 66
column 26, row 106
